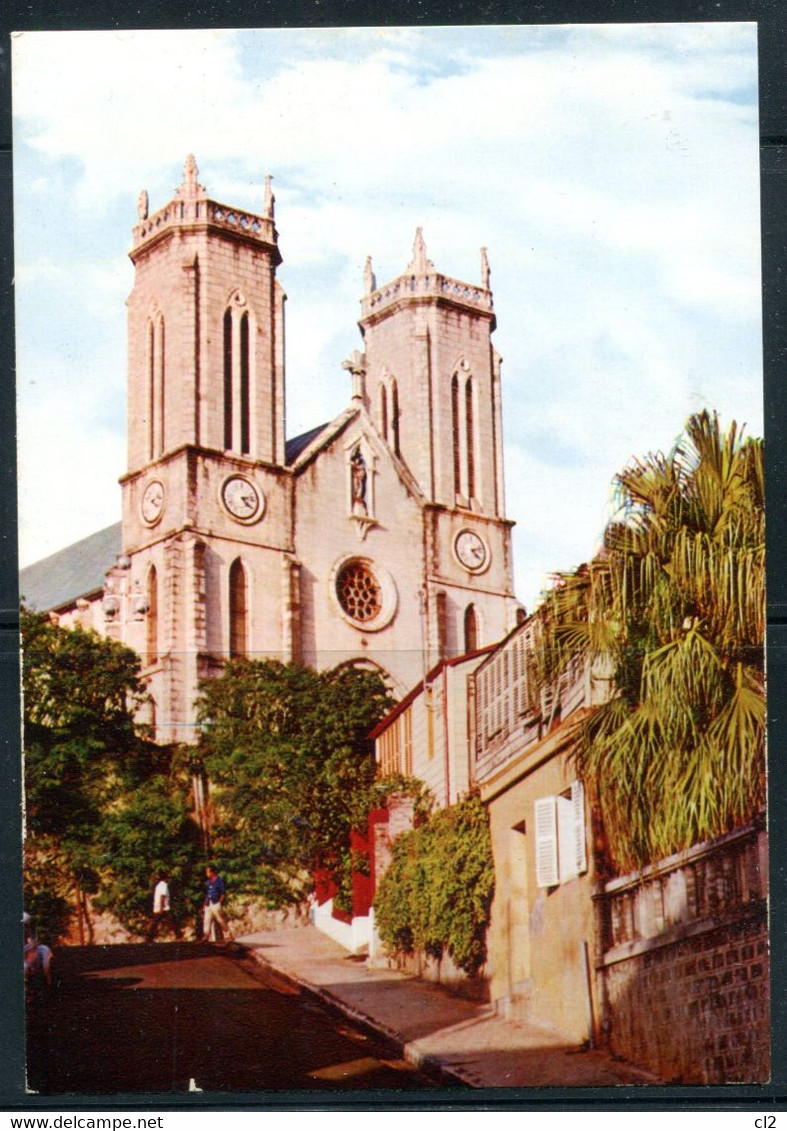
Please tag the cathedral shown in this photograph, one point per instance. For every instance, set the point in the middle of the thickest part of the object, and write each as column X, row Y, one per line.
column 377, row 540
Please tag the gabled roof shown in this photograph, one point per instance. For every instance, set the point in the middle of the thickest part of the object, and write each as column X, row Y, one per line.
column 319, row 438
column 76, row 571
column 294, row 447
column 310, row 443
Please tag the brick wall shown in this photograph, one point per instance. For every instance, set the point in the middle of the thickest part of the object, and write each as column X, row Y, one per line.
column 688, row 996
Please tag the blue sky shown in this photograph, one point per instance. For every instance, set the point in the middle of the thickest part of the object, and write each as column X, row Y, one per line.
column 612, row 172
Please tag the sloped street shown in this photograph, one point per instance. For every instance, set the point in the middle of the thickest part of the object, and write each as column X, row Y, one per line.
column 184, row 1016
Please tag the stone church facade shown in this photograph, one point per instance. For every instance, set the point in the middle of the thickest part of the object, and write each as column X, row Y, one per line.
column 378, row 539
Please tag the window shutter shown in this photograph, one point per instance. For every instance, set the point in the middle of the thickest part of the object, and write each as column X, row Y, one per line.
column 571, row 833
column 578, row 805
column 547, row 699
column 546, row 842
column 522, row 698
column 565, row 836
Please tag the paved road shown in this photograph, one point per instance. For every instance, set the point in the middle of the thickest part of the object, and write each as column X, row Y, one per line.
column 169, row 1017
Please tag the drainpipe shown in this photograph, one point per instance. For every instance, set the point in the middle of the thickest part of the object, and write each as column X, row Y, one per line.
column 589, row 992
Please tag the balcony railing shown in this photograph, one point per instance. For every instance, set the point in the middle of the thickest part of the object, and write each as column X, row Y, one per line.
column 685, row 893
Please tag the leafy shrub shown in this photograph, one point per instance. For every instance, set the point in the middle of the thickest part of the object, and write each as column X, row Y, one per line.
column 435, row 896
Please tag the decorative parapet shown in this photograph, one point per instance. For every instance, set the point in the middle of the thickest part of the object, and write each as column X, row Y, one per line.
column 687, row 893
column 191, row 205
column 432, row 285
column 183, row 213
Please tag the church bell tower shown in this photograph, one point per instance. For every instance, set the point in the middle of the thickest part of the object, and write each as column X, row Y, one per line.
column 433, row 381
column 205, row 494
column 205, row 322
column 433, row 387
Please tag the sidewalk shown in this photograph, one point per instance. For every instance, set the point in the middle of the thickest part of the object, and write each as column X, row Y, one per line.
column 465, row 1040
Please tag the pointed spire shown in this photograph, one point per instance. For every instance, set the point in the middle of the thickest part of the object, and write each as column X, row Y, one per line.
column 369, row 281
column 269, row 200
column 485, row 272
column 191, row 186
column 190, row 172
column 420, row 264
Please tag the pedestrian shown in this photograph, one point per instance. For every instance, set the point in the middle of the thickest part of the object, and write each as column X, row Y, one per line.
column 162, row 910
column 215, row 921
column 38, row 964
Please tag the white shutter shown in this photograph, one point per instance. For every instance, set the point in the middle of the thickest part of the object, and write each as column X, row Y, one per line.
column 571, row 833
column 546, row 842
column 566, row 839
column 571, row 848
column 547, row 699
column 578, row 805
column 524, row 697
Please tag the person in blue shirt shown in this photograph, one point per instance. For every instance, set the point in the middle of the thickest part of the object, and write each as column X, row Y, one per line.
column 215, row 921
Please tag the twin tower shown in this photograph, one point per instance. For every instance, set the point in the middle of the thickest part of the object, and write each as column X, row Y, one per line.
column 378, row 539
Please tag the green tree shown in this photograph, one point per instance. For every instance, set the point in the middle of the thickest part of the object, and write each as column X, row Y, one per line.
column 81, row 749
column 104, row 807
column 287, row 753
column 152, row 833
column 436, row 895
column 674, row 606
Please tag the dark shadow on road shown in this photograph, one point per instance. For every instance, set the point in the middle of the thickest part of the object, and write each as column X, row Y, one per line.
column 133, row 954
column 170, row 1017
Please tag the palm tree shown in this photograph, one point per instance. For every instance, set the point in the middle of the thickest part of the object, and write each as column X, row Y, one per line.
column 674, row 605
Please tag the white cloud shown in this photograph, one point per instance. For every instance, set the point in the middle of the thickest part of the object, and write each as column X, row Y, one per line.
column 612, row 172
column 84, row 496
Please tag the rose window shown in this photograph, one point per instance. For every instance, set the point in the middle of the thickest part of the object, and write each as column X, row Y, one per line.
column 359, row 592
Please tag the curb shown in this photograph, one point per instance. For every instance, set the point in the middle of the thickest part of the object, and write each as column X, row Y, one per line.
column 409, row 1049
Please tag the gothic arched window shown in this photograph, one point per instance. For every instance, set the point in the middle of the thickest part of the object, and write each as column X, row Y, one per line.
column 244, row 384
column 155, row 386
column 471, row 629
column 395, row 415
column 227, row 378
column 237, row 377
column 151, row 391
column 384, row 411
column 152, row 625
column 470, row 429
column 161, row 375
column 455, row 435
column 238, row 610
column 442, row 623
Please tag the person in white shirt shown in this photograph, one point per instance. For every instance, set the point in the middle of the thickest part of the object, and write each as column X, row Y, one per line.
column 162, row 911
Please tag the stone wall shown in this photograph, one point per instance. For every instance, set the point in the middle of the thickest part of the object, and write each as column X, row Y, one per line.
column 685, row 973
column 443, row 971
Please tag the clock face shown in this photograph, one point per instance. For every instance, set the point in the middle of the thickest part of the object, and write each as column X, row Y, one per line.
column 471, row 550
column 241, row 498
column 153, row 502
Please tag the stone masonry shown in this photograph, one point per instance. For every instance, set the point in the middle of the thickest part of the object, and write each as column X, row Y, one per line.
column 377, row 540
column 686, row 980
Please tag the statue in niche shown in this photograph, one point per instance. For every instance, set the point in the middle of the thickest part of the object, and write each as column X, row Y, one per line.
column 358, row 478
